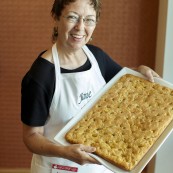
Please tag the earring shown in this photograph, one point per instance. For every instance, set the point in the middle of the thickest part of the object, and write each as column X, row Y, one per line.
column 55, row 31
column 91, row 38
column 54, row 34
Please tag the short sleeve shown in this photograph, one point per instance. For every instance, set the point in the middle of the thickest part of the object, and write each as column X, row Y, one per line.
column 34, row 103
column 37, row 92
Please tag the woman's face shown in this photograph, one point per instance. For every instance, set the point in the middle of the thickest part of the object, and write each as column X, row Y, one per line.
column 73, row 31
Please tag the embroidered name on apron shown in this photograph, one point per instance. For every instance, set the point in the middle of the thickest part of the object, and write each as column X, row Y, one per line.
column 63, row 169
column 84, row 96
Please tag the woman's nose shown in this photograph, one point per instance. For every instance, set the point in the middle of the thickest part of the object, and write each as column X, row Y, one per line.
column 80, row 24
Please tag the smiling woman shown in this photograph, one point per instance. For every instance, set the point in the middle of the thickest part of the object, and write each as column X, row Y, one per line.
column 73, row 16
column 73, row 33
column 125, row 30
column 60, row 83
column 71, row 63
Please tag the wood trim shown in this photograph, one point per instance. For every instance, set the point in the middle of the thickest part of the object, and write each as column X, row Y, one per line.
column 151, row 165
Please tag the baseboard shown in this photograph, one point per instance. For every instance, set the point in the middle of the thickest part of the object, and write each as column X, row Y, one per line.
column 14, row 170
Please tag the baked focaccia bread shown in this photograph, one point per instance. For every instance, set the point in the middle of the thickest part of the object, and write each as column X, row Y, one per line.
column 126, row 121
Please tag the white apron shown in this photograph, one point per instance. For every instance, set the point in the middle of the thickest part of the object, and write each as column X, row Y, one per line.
column 72, row 92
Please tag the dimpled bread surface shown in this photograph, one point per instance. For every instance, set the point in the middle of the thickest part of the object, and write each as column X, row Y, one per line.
column 126, row 121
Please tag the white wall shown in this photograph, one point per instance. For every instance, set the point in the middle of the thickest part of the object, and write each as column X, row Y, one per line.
column 164, row 66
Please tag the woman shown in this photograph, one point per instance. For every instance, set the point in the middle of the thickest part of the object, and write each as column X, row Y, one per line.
column 53, row 89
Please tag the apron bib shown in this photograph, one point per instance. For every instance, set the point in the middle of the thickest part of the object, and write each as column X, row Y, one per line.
column 72, row 92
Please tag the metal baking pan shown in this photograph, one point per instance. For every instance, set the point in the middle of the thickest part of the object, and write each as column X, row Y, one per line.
column 60, row 137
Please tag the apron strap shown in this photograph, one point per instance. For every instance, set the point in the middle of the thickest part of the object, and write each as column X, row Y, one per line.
column 57, row 75
column 93, row 62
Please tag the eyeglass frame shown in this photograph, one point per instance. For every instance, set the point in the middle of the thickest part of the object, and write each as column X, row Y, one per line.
column 78, row 18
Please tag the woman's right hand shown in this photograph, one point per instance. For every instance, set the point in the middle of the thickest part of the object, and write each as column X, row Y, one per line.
column 79, row 153
column 37, row 143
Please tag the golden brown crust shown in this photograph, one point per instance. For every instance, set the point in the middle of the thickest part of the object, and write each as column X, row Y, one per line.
column 126, row 121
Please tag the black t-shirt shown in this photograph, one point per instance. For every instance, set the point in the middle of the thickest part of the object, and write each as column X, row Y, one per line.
column 39, row 83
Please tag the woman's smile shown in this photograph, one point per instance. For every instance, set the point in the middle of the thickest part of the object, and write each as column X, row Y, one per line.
column 77, row 37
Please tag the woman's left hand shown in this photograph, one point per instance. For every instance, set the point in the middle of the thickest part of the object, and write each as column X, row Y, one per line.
column 148, row 72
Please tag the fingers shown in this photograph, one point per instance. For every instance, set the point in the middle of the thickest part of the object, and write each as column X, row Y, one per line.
column 80, row 154
column 149, row 75
column 88, row 149
column 148, row 72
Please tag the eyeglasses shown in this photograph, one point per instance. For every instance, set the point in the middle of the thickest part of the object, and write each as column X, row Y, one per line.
column 88, row 20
